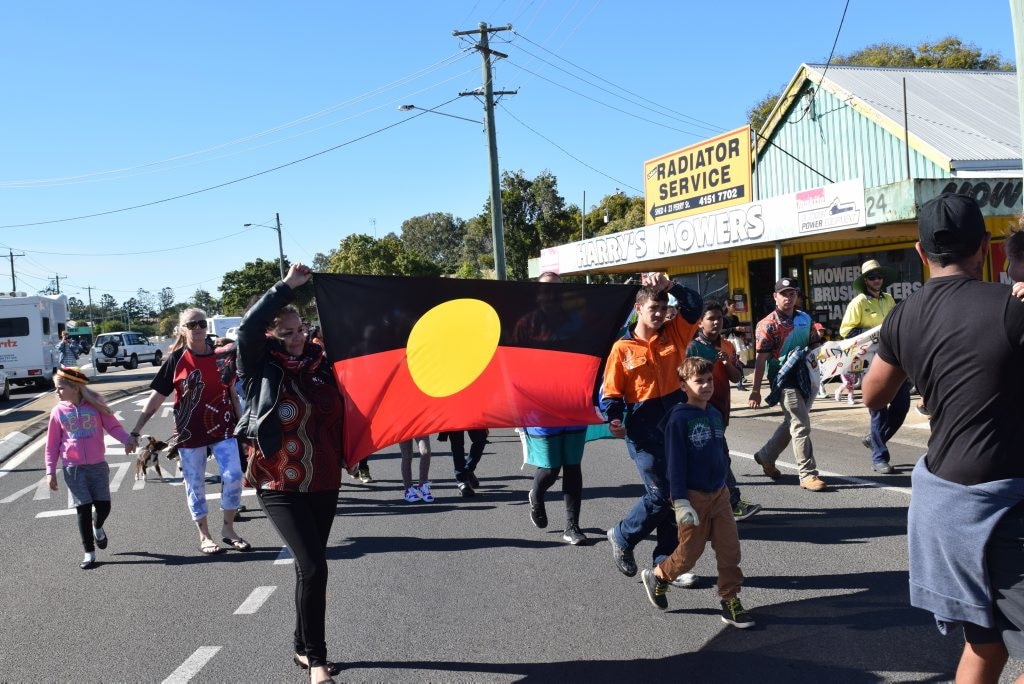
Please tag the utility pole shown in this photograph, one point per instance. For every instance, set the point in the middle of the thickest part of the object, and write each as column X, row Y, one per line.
column 14, row 283
column 280, row 246
column 1016, row 19
column 91, row 323
column 57, row 280
column 497, row 218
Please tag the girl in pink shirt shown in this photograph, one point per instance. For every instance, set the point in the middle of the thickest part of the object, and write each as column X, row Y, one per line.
column 75, row 435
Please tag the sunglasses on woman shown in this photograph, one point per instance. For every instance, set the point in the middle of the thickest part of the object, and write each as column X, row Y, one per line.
column 192, row 325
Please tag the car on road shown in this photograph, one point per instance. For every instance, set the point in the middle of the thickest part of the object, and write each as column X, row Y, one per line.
column 125, row 349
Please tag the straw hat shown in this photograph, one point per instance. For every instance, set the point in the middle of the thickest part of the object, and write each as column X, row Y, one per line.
column 872, row 266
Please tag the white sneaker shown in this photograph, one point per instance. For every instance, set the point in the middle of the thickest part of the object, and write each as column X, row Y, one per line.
column 425, row 492
column 687, row 579
column 412, row 494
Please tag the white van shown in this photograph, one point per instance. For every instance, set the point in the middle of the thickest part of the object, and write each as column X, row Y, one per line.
column 30, row 331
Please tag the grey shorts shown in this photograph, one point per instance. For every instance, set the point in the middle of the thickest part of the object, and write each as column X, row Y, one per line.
column 1004, row 555
column 88, row 483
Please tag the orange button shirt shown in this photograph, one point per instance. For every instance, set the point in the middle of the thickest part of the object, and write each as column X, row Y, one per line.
column 638, row 370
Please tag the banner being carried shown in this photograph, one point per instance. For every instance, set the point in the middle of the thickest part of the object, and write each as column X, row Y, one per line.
column 415, row 356
column 848, row 356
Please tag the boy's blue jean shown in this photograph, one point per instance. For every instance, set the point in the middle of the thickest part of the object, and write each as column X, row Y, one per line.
column 652, row 511
column 886, row 422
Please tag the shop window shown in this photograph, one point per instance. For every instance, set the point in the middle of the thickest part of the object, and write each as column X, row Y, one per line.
column 712, row 285
column 830, row 281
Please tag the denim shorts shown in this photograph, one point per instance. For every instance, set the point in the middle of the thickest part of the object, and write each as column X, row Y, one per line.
column 88, row 483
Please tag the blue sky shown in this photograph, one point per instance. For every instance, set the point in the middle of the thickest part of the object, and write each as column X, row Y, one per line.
column 118, row 104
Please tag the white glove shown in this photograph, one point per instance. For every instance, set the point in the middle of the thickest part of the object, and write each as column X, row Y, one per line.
column 685, row 515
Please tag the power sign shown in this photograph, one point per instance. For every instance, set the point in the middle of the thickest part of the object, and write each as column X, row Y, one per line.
column 713, row 174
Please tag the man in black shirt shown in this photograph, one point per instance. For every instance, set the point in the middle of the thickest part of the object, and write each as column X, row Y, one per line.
column 961, row 341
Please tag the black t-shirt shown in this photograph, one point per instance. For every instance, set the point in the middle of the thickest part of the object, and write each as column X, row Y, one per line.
column 961, row 341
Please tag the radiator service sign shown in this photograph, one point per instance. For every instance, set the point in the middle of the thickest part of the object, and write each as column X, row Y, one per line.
column 713, row 174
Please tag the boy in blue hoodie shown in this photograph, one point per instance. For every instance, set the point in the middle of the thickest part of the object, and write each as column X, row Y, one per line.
column 697, row 469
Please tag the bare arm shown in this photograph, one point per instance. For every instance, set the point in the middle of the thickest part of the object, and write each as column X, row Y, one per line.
column 152, row 404
column 881, row 383
column 755, row 390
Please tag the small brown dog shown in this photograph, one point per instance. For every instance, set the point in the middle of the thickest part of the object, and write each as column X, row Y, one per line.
column 149, row 453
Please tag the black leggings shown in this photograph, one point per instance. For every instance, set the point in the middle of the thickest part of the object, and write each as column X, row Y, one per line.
column 85, row 523
column 572, row 488
column 303, row 520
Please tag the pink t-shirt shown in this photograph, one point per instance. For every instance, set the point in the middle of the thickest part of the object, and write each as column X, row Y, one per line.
column 75, row 434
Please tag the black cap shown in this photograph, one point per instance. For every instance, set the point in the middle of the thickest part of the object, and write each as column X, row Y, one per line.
column 950, row 225
column 787, row 284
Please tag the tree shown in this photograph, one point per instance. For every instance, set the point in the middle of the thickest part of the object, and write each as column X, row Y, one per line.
column 363, row 255
column 535, row 217
column 478, row 245
column 948, row 53
column 165, row 299
column 133, row 310
column 205, row 301
column 436, row 237
column 321, row 261
column 107, row 308
column 147, row 302
column 622, row 211
column 252, row 280
column 78, row 310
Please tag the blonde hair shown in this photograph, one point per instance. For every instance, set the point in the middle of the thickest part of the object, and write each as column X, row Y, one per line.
column 182, row 337
column 88, row 396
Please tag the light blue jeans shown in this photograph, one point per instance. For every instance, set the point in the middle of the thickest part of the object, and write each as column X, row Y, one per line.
column 193, row 470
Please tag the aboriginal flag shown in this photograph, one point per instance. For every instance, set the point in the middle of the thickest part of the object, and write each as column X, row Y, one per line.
column 415, row 356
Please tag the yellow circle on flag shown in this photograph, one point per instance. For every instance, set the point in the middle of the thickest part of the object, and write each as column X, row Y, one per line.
column 451, row 345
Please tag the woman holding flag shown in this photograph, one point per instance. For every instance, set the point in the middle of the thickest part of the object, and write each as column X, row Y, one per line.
column 293, row 419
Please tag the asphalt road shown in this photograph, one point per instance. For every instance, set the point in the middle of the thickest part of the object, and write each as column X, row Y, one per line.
column 468, row 589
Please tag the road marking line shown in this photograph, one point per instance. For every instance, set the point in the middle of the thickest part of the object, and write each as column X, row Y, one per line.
column 285, row 557
column 191, row 667
column 45, row 494
column 122, row 470
column 255, row 601
column 55, row 514
column 213, row 496
column 827, row 473
column 25, row 453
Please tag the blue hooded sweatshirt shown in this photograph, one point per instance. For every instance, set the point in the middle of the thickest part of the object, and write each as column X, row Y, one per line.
column 694, row 449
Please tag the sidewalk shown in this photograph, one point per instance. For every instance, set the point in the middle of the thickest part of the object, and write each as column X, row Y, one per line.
column 835, row 416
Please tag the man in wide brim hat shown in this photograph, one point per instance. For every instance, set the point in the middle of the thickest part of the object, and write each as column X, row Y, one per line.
column 865, row 311
column 871, row 267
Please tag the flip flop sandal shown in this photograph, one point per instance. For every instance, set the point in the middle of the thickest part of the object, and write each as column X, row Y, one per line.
column 210, row 547
column 238, row 544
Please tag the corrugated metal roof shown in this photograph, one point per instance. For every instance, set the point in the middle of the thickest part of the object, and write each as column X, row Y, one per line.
column 969, row 116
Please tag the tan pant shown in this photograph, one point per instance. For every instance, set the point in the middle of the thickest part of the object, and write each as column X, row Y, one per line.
column 717, row 525
column 795, row 427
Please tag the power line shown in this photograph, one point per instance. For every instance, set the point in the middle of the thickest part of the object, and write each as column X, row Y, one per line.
column 605, row 104
column 219, row 185
column 451, row 59
column 625, row 90
column 552, row 142
column 152, row 251
column 831, row 52
column 713, row 129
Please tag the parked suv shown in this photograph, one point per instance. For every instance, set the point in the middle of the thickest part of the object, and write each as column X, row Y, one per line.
column 125, row 349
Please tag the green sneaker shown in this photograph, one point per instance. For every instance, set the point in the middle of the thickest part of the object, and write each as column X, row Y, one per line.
column 744, row 509
column 656, row 589
column 734, row 614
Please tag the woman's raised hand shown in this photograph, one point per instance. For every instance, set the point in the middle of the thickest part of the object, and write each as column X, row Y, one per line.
column 298, row 274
